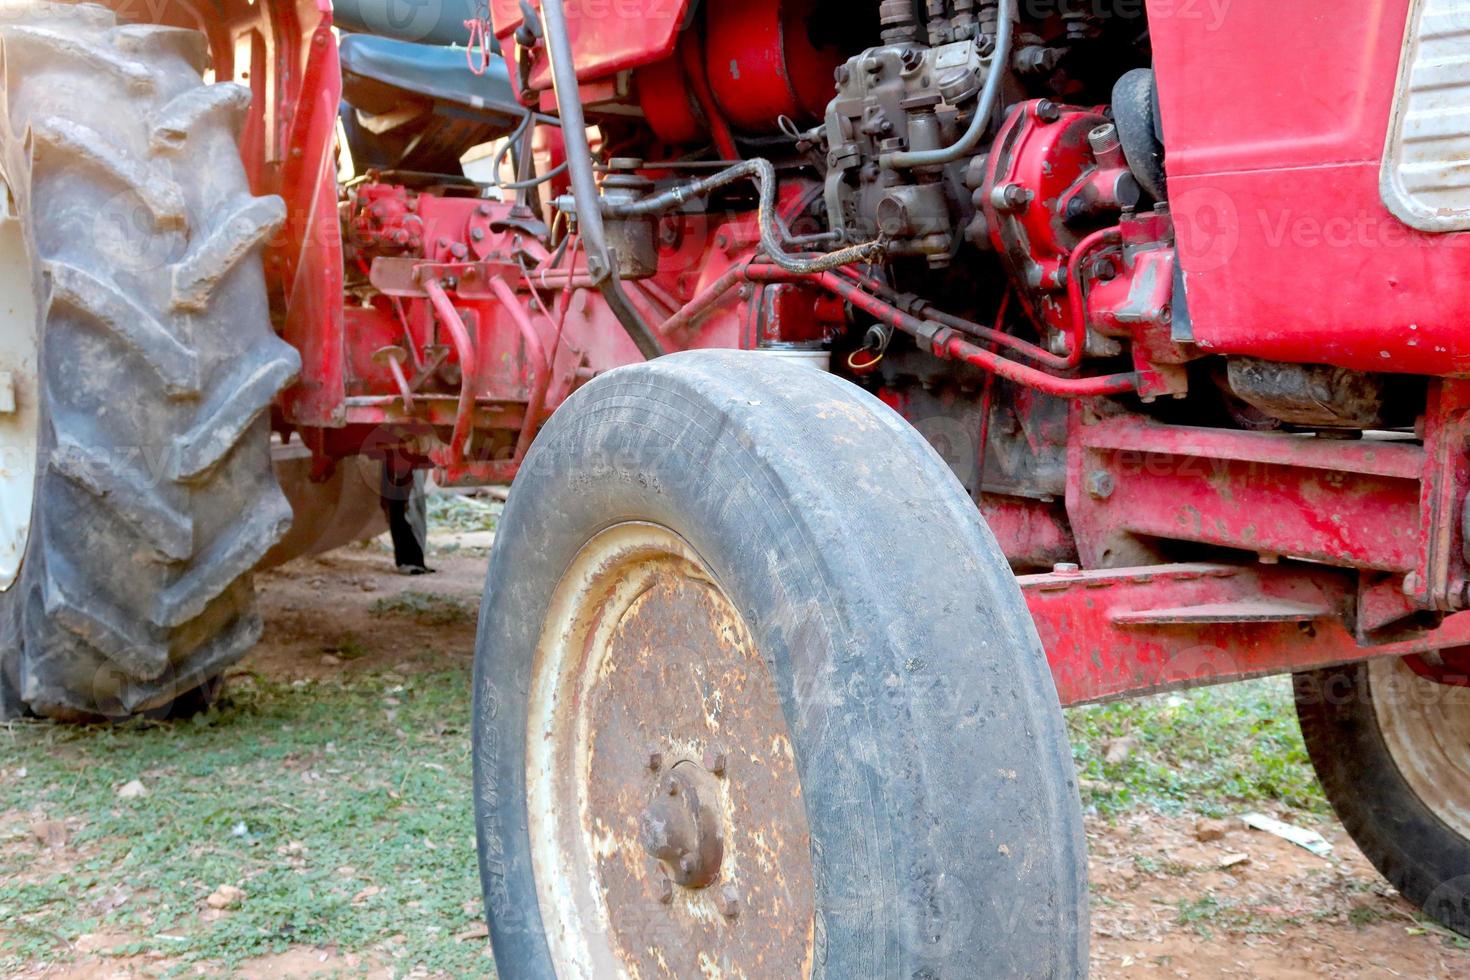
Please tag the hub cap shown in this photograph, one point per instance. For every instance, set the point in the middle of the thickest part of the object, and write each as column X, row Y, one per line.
column 667, row 823
column 19, row 391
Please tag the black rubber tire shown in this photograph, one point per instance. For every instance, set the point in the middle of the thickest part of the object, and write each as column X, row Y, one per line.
column 934, row 760
column 1136, row 114
column 1420, row 855
column 155, row 495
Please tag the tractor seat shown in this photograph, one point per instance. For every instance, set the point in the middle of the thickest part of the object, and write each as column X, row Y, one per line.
column 418, row 106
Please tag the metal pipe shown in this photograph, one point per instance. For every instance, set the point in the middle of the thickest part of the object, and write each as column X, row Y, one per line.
column 468, row 366
column 967, row 142
column 946, row 342
column 511, row 303
column 764, row 174
column 600, row 260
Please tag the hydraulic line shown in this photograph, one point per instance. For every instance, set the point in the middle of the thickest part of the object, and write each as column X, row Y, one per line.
column 965, row 145
column 764, row 174
column 939, row 339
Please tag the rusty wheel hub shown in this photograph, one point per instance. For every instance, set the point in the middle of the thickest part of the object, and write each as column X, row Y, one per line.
column 682, row 826
column 668, row 827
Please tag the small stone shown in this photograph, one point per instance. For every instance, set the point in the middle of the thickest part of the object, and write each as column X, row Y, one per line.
column 50, row 833
column 1206, row 831
column 330, row 661
column 225, row 897
column 1118, row 751
column 131, row 790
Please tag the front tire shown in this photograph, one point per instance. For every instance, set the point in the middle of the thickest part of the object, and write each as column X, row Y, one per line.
column 757, row 693
column 1392, row 753
column 153, row 495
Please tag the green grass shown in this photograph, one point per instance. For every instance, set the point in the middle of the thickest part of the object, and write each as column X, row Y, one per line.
column 1205, row 915
column 307, row 796
column 426, row 607
column 1215, row 751
column 457, row 512
column 311, row 795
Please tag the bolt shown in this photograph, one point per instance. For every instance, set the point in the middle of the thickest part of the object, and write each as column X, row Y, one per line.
column 1100, row 484
column 1411, row 584
column 1048, row 111
column 663, row 890
column 1066, row 568
column 728, row 902
column 1010, row 197
column 655, row 761
column 483, row 210
column 714, row 762
column 478, row 234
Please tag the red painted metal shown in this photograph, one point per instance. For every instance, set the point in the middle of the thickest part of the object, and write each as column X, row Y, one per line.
column 1273, row 157
column 311, row 260
column 762, row 63
column 1119, row 632
column 606, row 37
column 464, row 349
column 1131, row 480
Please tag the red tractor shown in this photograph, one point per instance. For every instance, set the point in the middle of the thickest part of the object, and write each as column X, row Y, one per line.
column 876, row 379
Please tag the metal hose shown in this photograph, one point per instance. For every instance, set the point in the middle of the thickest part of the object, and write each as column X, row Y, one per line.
column 764, row 174
column 965, row 145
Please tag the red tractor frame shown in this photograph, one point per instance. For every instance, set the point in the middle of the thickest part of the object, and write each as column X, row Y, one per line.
column 1211, row 393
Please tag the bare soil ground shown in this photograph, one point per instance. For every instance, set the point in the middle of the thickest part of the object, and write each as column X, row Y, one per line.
column 1174, row 893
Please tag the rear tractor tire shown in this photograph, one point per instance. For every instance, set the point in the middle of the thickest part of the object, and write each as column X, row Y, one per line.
column 139, row 364
column 757, row 695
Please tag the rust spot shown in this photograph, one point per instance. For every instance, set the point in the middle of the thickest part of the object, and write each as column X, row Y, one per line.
column 682, row 682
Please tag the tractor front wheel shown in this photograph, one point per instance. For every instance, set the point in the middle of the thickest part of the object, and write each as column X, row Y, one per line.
column 137, row 364
column 1392, row 752
column 757, row 695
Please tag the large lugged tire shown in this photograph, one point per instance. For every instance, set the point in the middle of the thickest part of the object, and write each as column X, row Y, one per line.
column 1392, row 752
column 153, row 492
column 757, row 695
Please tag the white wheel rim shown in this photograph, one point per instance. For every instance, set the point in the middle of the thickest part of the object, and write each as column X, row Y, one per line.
column 19, row 390
column 598, row 891
column 1426, row 726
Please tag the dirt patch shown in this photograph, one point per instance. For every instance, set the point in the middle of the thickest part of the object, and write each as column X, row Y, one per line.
column 353, row 611
column 1167, row 904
